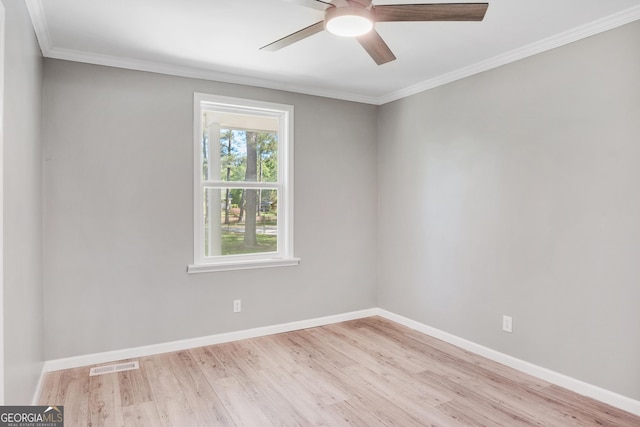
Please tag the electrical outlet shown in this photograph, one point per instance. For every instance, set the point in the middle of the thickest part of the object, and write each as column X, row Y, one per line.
column 237, row 306
column 507, row 323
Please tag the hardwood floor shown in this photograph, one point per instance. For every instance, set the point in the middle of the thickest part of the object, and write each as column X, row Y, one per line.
column 367, row 372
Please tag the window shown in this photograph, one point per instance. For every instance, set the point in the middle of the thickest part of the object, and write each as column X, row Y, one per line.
column 243, row 184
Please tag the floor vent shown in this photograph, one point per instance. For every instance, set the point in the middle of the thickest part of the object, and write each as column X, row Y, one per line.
column 127, row 366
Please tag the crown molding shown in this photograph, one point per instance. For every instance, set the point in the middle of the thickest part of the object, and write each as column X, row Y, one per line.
column 575, row 34
column 180, row 71
column 36, row 11
column 50, row 51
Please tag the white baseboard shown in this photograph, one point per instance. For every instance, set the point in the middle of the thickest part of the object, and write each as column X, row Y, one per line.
column 36, row 395
column 598, row 393
column 580, row 387
column 130, row 353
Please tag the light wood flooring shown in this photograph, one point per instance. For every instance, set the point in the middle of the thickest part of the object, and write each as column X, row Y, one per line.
column 368, row 372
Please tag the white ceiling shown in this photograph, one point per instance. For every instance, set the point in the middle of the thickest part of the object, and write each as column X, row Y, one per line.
column 219, row 40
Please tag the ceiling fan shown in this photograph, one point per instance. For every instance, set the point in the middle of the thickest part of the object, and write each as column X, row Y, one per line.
column 357, row 18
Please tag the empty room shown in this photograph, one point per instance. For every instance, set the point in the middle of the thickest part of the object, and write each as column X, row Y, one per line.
column 306, row 212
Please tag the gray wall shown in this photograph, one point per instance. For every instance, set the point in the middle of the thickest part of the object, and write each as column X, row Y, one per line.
column 510, row 192
column 23, row 318
column 516, row 192
column 118, row 214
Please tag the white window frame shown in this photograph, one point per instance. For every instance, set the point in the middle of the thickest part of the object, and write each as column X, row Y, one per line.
column 284, row 255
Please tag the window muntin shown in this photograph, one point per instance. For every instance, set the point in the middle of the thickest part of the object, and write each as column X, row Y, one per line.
column 243, row 189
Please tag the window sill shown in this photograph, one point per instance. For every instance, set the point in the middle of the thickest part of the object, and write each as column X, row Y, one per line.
column 242, row 265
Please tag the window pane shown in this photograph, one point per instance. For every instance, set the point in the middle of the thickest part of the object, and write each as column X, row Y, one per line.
column 248, row 155
column 240, row 221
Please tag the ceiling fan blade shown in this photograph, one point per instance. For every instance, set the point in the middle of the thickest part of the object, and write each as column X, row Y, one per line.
column 314, row 4
column 376, row 47
column 294, row 37
column 431, row 12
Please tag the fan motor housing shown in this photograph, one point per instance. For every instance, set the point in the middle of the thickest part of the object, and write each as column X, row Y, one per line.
column 353, row 11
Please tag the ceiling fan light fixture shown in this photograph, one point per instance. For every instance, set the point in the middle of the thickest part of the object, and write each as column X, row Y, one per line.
column 348, row 21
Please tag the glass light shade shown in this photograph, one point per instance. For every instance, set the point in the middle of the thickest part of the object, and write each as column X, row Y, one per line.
column 348, row 21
